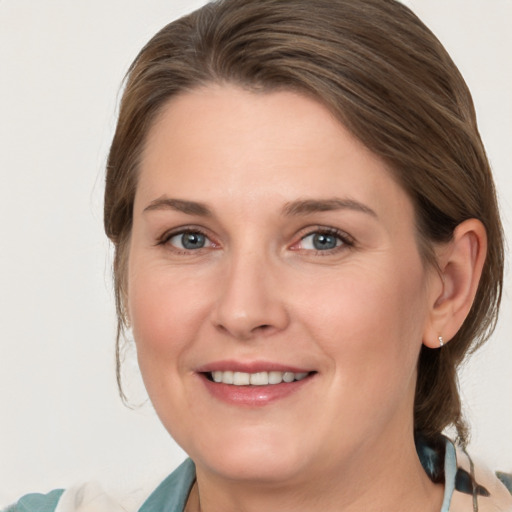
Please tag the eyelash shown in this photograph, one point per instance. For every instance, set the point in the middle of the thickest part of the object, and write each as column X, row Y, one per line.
column 346, row 240
column 168, row 235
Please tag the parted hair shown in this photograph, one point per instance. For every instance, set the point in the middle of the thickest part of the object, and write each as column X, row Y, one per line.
column 387, row 79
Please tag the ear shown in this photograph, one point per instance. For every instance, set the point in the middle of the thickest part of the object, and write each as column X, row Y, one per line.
column 460, row 267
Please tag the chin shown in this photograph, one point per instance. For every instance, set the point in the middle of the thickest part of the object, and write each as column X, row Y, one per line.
column 256, row 468
column 258, row 457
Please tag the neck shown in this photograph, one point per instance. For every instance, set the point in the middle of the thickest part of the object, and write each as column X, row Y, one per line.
column 383, row 477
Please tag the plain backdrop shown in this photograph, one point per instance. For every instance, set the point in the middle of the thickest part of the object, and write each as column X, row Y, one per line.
column 61, row 65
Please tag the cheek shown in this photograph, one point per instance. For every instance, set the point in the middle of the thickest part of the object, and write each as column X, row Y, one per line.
column 370, row 321
column 164, row 313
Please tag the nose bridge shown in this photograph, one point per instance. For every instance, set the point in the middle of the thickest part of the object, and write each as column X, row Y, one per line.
column 249, row 302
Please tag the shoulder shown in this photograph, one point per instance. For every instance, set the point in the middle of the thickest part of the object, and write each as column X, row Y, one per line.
column 475, row 485
column 506, row 479
column 36, row 502
column 171, row 494
column 469, row 485
column 86, row 497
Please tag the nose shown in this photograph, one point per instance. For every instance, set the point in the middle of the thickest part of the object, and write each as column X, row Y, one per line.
column 250, row 301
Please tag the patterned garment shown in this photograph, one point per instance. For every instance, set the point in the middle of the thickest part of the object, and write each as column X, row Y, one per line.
column 468, row 488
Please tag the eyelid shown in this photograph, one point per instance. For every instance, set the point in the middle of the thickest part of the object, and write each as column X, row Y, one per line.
column 346, row 239
column 181, row 230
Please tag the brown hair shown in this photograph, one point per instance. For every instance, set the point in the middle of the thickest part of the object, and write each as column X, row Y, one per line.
column 388, row 80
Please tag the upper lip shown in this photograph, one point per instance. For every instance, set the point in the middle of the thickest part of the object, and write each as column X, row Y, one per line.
column 250, row 367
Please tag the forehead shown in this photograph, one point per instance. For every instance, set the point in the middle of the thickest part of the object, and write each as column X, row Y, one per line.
column 227, row 144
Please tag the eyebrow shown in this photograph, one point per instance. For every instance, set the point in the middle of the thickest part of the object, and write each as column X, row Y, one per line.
column 180, row 205
column 307, row 206
column 294, row 208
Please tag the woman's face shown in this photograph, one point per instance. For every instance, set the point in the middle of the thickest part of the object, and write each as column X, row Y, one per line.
column 269, row 245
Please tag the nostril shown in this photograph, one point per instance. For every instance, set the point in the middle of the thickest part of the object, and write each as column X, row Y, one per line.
column 264, row 328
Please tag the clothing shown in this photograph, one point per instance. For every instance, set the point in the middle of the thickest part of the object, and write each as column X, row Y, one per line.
column 482, row 492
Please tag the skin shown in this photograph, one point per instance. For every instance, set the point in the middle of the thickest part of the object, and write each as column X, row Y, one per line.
column 259, row 291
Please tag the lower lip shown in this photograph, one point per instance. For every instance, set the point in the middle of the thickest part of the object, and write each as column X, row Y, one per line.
column 253, row 395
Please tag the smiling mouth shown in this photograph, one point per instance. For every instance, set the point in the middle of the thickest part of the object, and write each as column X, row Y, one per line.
column 255, row 379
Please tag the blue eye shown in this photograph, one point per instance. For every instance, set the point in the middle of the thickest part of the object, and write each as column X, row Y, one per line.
column 321, row 241
column 189, row 240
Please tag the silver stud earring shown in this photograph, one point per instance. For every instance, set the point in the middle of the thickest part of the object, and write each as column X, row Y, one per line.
column 441, row 342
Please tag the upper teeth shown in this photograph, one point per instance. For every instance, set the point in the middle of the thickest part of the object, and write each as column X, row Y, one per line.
column 256, row 379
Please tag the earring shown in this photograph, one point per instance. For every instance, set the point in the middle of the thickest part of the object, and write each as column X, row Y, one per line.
column 441, row 342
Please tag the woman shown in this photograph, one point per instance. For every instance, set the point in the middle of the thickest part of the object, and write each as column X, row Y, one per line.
column 307, row 245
